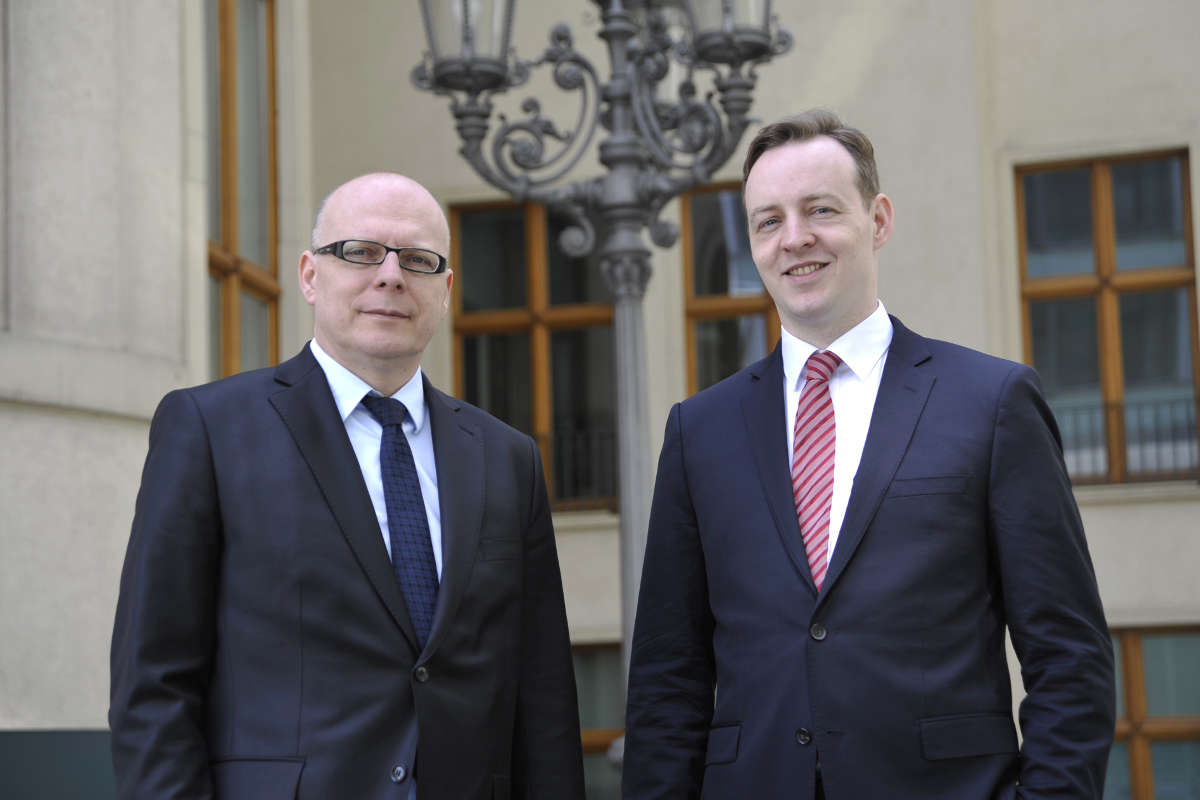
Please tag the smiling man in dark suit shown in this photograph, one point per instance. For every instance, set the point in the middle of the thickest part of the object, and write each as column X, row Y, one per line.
column 340, row 581
column 841, row 534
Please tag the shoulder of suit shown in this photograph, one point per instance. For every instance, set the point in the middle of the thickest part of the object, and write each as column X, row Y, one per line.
column 732, row 388
column 256, row 381
column 468, row 414
column 944, row 353
column 907, row 341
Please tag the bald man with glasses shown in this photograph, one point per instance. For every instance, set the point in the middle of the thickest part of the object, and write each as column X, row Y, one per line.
column 340, row 581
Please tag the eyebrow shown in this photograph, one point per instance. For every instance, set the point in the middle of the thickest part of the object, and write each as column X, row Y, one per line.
column 808, row 198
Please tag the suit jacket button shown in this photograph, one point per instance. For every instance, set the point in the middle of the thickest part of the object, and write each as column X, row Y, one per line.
column 817, row 631
column 421, row 674
column 803, row 736
column 399, row 773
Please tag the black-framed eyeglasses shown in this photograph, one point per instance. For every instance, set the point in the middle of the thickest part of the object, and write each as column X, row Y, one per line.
column 366, row 252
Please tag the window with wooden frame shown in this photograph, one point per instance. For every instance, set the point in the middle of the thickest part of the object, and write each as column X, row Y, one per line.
column 731, row 320
column 1108, row 289
column 243, row 194
column 599, row 683
column 1157, row 748
column 533, row 343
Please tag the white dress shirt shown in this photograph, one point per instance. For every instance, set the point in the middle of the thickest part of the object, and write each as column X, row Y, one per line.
column 853, row 388
column 366, row 433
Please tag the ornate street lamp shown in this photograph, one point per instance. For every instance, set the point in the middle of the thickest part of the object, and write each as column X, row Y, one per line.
column 655, row 149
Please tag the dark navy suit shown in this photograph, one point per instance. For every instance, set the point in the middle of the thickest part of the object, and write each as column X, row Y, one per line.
column 960, row 522
column 262, row 648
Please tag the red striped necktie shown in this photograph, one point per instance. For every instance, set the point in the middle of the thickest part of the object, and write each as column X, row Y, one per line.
column 812, row 460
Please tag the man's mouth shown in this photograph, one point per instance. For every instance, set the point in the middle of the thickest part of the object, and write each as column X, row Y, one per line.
column 806, row 269
column 385, row 312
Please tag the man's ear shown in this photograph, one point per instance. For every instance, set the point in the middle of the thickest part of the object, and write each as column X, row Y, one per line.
column 307, row 274
column 449, row 285
column 881, row 216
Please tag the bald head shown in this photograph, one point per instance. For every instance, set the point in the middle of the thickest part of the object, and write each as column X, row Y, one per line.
column 376, row 319
column 390, row 187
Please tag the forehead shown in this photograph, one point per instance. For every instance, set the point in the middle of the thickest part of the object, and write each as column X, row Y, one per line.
column 391, row 211
column 815, row 166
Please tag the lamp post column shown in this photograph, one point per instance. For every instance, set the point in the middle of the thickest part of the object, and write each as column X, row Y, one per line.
column 625, row 261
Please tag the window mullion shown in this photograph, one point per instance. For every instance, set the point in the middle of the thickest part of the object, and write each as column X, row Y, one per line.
column 228, row 130
column 537, row 279
column 689, row 292
column 231, row 303
column 1108, row 319
column 1141, row 770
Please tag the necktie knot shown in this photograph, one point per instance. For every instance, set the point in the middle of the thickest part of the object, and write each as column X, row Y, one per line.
column 821, row 365
column 387, row 410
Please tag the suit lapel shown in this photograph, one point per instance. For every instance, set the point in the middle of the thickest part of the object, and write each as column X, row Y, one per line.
column 903, row 392
column 764, row 412
column 306, row 405
column 458, row 452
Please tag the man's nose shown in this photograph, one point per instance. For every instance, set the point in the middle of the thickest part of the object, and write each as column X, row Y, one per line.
column 389, row 271
column 798, row 234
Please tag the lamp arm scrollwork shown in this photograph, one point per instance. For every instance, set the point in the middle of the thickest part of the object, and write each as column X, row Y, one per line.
column 523, row 150
column 577, row 201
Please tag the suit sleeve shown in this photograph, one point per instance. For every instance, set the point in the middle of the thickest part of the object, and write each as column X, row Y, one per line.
column 672, row 669
column 164, row 630
column 547, row 756
column 1052, row 602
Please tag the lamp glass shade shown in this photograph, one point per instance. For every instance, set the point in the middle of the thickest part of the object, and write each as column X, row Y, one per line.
column 730, row 31
column 728, row 15
column 468, row 42
column 468, row 29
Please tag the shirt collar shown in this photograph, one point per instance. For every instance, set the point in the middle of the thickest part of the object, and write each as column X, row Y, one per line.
column 859, row 348
column 349, row 389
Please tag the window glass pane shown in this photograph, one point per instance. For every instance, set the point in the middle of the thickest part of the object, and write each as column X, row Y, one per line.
column 212, row 67
column 1065, row 353
column 1176, row 770
column 1116, row 782
column 1058, row 222
column 1120, row 677
column 585, row 447
column 721, row 246
column 724, row 346
column 572, row 280
column 496, row 376
column 1148, row 208
column 1160, row 402
column 601, row 778
column 254, row 330
column 492, row 272
column 214, row 326
column 252, row 129
column 1172, row 665
column 598, row 680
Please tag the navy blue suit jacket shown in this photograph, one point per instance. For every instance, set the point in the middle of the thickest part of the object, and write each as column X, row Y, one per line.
column 961, row 522
column 262, row 648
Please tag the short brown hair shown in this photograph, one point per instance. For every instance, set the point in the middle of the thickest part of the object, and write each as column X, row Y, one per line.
column 809, row 125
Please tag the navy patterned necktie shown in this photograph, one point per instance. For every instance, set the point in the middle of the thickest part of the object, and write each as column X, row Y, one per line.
column 408, row 527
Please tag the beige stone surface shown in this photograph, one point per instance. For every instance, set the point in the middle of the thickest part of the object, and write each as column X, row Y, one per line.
column 67, row 486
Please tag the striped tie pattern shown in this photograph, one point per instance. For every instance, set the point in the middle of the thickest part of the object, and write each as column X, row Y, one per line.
column 812, row 460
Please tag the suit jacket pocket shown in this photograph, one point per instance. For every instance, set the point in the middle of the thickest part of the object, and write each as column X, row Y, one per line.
column 965, row 735
column 500, row 787
column 911, row 487
column 257, row 778
column 499, row 548
column 723, row 744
